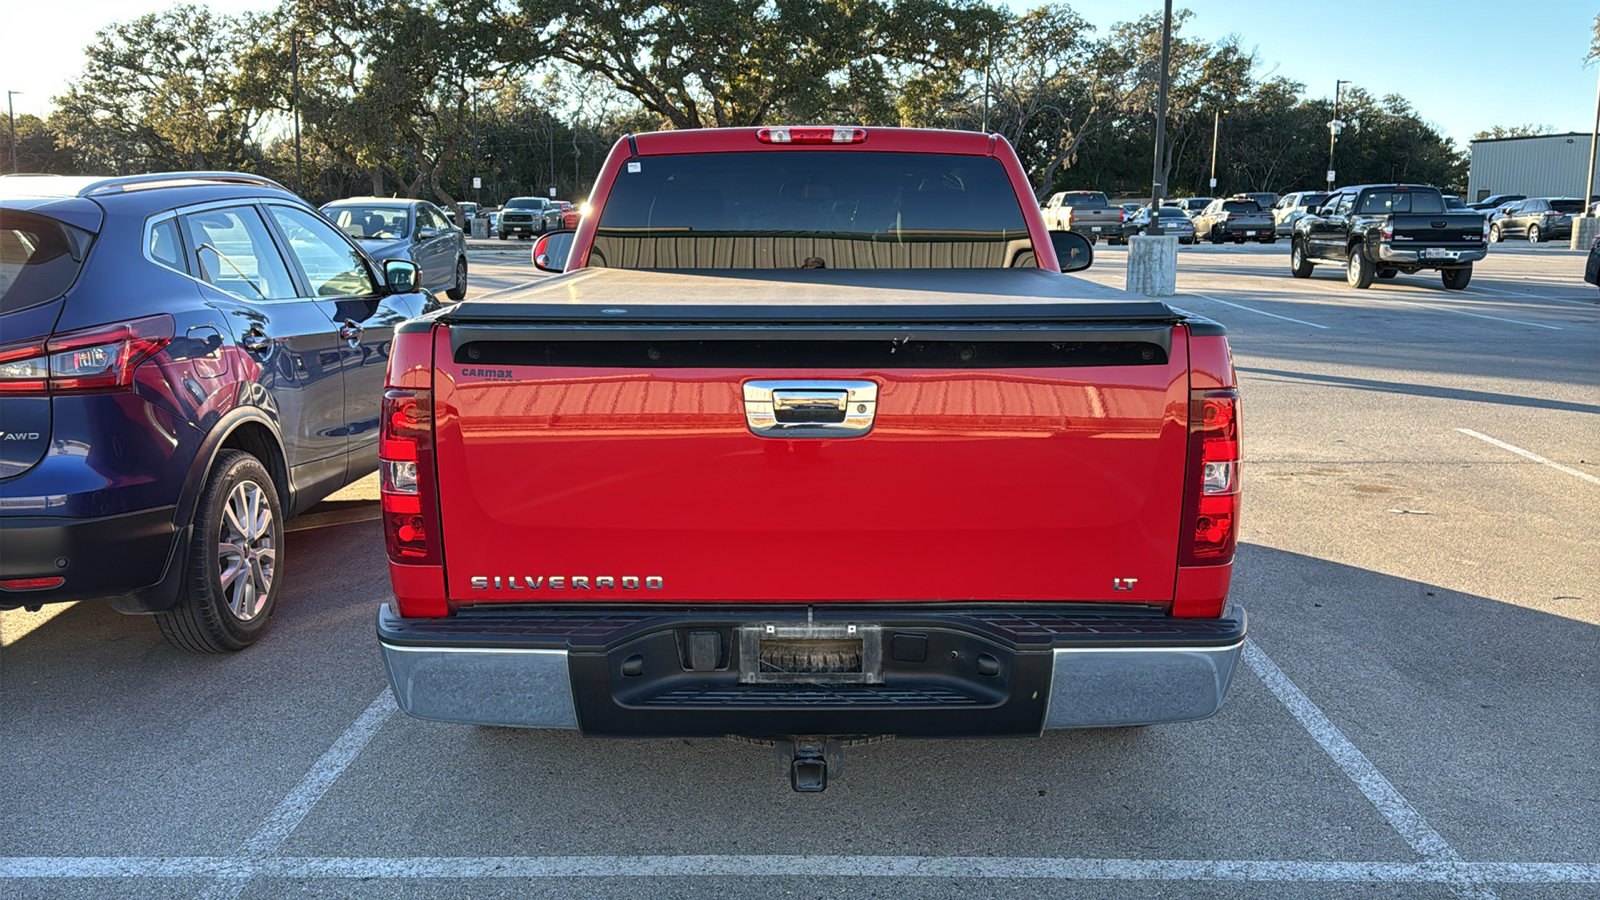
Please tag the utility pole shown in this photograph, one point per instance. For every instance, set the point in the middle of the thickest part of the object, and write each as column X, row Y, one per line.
column 1334, row 127
column 1216, row 127
column 294, row 57
column 12, row 116
column 1579, row 231
column 1158, row 176
column 988, row 59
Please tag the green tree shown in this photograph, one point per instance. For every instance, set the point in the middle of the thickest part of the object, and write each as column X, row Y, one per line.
column 162, row 92
column 38, row 148
column 1514, row 131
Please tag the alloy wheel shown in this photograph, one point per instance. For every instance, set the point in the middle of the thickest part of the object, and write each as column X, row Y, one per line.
column 246, row 556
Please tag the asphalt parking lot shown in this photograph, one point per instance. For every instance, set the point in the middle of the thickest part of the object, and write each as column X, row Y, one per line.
column 1419, row 716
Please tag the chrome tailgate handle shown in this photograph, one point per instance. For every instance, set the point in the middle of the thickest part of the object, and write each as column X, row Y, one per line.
column 810, row 408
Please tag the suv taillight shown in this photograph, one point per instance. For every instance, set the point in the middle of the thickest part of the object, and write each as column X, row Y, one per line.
column 1211, row 501
column 89, row 360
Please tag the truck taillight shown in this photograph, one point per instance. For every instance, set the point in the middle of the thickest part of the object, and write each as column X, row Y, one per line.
column 1486, row 228
column 1211, row 503
column 90, row 360
column 410, row 518
column 1388, row 230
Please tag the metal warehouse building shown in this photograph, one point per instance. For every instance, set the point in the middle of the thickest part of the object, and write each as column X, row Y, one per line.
column 1550, row 165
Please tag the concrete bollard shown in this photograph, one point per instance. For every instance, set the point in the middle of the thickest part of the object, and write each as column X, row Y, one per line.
column 1153, row 265
column 480, row 227
column 1584, row 228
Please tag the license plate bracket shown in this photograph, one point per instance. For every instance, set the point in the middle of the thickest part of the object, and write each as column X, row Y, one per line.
column 771, row 653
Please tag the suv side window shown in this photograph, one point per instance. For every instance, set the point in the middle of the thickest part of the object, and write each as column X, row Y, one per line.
column 332, row 267
column 1346, row 202
column 165, row 246
column 232, row 249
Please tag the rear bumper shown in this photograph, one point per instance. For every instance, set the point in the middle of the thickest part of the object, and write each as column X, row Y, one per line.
column 97, row 557
column 1001, row 669
column 1389, row 254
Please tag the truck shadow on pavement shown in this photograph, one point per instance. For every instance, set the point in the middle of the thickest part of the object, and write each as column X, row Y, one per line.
column 1480, row 712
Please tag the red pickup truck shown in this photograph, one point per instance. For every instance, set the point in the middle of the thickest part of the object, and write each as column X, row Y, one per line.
column 813, row 441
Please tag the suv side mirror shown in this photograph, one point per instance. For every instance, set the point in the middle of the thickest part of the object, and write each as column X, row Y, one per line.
column 550, row 251
column 1073, row 250
column 400, row 275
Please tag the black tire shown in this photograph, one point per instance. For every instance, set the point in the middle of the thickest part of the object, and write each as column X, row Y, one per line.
column 212, row 616
column 1534, row 237
column 1358, row 269
column 1216, row 235
column 1300, row 265
column 502, row 235
column 459, row 290
column 1388, row 273
column 1456, row 279
column 1494, row 233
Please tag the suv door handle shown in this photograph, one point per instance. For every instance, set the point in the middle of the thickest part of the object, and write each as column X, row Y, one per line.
column 350, row 331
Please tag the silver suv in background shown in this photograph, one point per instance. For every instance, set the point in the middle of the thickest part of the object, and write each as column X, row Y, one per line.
column 1289, row 210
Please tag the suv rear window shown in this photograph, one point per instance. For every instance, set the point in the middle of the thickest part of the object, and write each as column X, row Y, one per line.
column 39, row 259
column 1567, row 206
column 1240, row 206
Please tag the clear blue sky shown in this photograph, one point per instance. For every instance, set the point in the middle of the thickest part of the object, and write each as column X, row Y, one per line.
column 1488, row 62
column 1491, row 62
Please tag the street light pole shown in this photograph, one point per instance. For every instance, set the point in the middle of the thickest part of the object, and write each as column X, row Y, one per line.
column 1334, row 127
column 12, row 116
column 1159, row 176
column 1216, row 127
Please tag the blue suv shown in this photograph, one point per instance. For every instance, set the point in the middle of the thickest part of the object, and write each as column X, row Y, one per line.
column 186, row 361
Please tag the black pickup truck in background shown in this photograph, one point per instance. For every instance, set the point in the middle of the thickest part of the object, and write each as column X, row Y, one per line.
column 1380, row 230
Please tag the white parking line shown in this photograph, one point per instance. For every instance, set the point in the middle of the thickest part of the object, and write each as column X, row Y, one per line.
column 1533, row 456
column 286, row 817
column 948, row 867
column 1390, row 803
column 1256, row 311
column 1387, row 297
column 1475, row 290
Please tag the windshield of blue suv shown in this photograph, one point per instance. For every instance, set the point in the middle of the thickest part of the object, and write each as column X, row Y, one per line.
column 371, row 223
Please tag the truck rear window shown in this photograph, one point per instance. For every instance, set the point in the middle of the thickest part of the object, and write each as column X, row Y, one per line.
column 1379, row 203
column 39, row 259
column 812, row 209
column 1089, row 198
column 1241, row 206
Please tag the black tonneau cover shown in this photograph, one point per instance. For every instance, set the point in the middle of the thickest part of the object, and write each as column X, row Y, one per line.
column 811, row 297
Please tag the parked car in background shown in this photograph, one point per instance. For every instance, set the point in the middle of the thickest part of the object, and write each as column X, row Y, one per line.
column 528, row 216
column 1088, row 213
column 1131, row 208
column 1451, row 201
column 186, row 361
column 569, row 214
column 468, row 209
column 1291, row 207
column 1496, row 200
column 1381, row 230
column 407, row 229
column 1194, row 206
column 1538, row 219
column 1234, row 220
column 1264, row 199
column 1173, row 221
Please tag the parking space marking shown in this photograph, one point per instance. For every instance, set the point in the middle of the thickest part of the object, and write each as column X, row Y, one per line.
column 1251, row 309
column 286, row 817
column 710, row 866
column 1394, row 807
column 1388, row 297
column 1529, row 454
column 1588, row 303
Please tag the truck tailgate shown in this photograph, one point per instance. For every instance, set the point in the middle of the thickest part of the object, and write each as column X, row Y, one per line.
column 1037, row 461
column 1437, row 229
